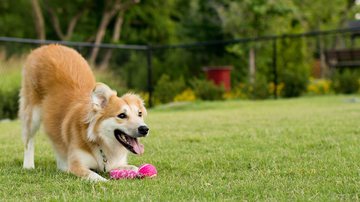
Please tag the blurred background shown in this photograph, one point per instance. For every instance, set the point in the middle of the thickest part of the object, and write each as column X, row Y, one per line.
column 182, row 51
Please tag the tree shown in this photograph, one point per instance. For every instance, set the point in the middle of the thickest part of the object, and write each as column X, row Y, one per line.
column 154, row 22
column 115, row 39
column 251, row 18
column 112, row 7
column 12, row 23
column 38, row 19
column 77, row 10
column 202, row 22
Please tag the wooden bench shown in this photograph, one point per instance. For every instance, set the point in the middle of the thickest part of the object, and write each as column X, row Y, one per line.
column 343, row 58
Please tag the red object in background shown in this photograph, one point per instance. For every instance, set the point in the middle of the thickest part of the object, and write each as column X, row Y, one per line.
column 219, row 75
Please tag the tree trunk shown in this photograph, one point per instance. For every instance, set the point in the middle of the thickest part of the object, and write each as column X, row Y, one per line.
column 72, row 25
column 115, row 38
column 252, row 66
column 38, row 19
column 111, row 8
column 324, row 69
column 108, row 14
column 56, row 23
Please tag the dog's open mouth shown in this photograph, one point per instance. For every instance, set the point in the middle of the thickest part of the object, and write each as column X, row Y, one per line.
column 128, row 142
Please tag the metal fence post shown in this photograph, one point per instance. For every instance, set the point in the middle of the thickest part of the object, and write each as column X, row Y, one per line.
column 149, row 74
column 275, row 73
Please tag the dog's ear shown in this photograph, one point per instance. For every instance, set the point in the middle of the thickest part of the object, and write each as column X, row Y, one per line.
column 100, row 96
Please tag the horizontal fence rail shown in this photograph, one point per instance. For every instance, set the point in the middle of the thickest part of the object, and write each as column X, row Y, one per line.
column 188, row 45
column 74, row 44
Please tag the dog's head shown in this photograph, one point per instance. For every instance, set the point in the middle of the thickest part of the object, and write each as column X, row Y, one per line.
column 116, row 119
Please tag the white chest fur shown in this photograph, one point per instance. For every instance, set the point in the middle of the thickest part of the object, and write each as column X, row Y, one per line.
column 108, row 160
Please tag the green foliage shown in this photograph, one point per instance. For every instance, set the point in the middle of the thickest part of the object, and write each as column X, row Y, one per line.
column 260, row 89
column 293, row 66
column 176, row 21
column 166, row 88
column 87, row 22
column 151, row 22
column 200, row 20
column 294, row 84
column 319, row 87
column 207, row 90
column 158, row 21
column 332, row 15
column 251, row 17
column 9, row 106
column 346, row 82
column 131, row 69
column 176, row 63
column 10, row 79
column 16, row 19
column 113, row 81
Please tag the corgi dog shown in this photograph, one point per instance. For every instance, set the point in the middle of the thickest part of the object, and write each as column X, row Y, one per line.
column 90, row 127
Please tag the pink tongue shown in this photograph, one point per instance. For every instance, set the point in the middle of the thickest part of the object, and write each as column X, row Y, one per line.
column 138, row 148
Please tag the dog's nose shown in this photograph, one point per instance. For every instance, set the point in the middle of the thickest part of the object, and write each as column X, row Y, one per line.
column 143, row 130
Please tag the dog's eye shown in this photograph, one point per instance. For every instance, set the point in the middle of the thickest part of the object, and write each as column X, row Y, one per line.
column 140, row 114
column 122, row 116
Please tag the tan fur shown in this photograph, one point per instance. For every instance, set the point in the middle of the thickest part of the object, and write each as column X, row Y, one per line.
column 58, row 86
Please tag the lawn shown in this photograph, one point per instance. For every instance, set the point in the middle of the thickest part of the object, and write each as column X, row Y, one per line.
column 285, row 150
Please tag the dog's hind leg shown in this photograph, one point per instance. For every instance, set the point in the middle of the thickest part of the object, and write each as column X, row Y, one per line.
column 30, row 116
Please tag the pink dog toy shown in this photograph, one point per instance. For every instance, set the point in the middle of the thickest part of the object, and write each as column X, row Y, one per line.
column 123, row 174
column 146, row 170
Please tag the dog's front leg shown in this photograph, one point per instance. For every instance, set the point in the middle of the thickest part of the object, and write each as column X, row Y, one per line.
column 79, row 170
column 79, row 164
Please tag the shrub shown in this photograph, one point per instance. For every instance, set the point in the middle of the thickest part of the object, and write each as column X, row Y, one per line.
column 9, row 103
column 240, row 91
column 207, row 90
column 260, row 89
column 130, row 67
column 346, row 82
column 186, row 95
column 230, row 95
column 279, row 88
column 166, row 89
column 294, row 84
column 10, row 79
column 293, row 66
column 255, row 91
column 318, row 86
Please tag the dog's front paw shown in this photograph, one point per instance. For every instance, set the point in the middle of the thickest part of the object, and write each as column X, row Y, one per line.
column 128, row 167
column 94, row 177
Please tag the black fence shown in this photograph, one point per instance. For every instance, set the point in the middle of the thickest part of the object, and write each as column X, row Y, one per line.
column 139, row 66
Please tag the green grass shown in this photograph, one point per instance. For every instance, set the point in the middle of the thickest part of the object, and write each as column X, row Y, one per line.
column 285, row 150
